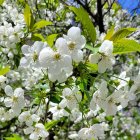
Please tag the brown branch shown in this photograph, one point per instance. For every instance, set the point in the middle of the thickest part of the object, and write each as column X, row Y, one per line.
column 109, row 8
column 100, row 16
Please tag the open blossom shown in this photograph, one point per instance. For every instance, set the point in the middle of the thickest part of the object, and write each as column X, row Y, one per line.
column 94, row 132
column 31, row 54
column 71, row 98
column 15, row 99
column 36, row 132
column 110, row 106
column 110, row 103
column 99, row 96
column 72, row 43
column 104, row 57
column 28, row 118
column 3, row 79
column 57, row 111
column 127, row 96
column 59, row 65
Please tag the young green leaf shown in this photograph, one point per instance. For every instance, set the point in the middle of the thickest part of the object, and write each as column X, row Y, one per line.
column 86, row 21
column 50, row 124
column 5, row 70
column 41, row 24
column 38, row 37
column 122, row 33
column 126, row 46
column 15, row 137
column 50, row 39
column 1, row 2
column 28, row 17
column 109, row 33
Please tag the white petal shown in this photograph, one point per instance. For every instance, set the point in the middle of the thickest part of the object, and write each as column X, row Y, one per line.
column 8, row 90
column 25, row 61
column 106, row 47
column 61, row 45
column 66, row 92
column 74, row 33
column 28, row 130
column 77, row 56
column 102, row 66
column 8, row 102
column 94, row 58
column 38, row 46
column 44, row 133
column 25, row 49
column 35, row 118
column 18, row 92
column 34, row 136
column 80, row 43
column 46, row 57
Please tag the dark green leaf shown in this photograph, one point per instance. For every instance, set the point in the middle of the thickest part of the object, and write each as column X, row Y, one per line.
column 86, row 21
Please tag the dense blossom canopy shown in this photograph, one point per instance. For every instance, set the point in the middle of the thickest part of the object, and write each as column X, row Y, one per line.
column 69, row 69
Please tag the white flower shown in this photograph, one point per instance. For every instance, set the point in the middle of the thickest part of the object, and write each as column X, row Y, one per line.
column 3, row 80
column 57, row 111
column 36, row 132
column 59, row 65
column 94, row 132
column 126, row 97
column 73, row 136
column 111, row 102
column 31, row 54
column 99, row 96
column 75, row 115
column 104, row 57
column 71, row 98
column 73, row 44
column 28, row 118
column 136, row 84
column 2, row 114
column 122, row 79
column 15, row 100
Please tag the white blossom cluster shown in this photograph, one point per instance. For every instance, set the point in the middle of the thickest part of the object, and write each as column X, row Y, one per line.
column 45, row 94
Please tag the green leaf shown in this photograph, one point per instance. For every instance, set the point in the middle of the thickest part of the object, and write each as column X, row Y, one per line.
column 122, row 33
column 28, row 17
column 126, row 46
column 41, row 24
column 1, row 2
column 15, row 137
column 5, row 70
column 50, row 39
column 86, row 21
column 109, row 33
column 38, row 37
column 92, row 67
column 50, row 124
column 93, row 49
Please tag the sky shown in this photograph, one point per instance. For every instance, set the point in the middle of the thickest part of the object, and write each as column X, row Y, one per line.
column 132, row 6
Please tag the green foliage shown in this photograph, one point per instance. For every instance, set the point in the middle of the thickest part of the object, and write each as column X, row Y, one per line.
column 5, row 70
column 51, row 124
column 92, row 67
column 41, row 24
column 28, row 17
column 93, row 49
column 1, row 2
column 14, row 137
column 50, row 39
column 83, row 16
column 122, row 33
column 38, row 37
column 126, row 46
column 109, row 33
